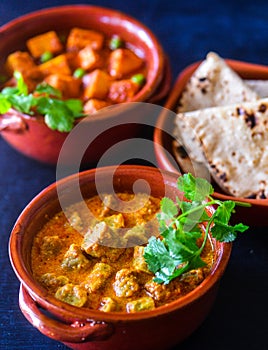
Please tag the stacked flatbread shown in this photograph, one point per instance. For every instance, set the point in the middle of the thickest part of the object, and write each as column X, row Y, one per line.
column 214, row 83
column 230, row 137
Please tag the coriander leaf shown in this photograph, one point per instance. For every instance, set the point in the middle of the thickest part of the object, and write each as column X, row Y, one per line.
column 159, row 260
column 58, row 121
column 58, row 116
column 226, row 233
column 192, row 214
column 21, row 86
column 168, row 207
column 48, row 90
column 183, row 224
column 9, row 91
column 241, row 227
column 182, row 245
column 195, row 263
column 75, row 106
column 5, row 105
column 224, row 211
column 223, row 233
column 157, row 256
column 195, row 189
column 22, row 103
column 187, row 206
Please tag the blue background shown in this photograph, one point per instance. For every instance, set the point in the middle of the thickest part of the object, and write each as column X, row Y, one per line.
column 187, row 31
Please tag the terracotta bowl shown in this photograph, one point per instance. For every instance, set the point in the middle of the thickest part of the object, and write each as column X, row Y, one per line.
column 81, row 328
column 23, row 132
column 164, row 151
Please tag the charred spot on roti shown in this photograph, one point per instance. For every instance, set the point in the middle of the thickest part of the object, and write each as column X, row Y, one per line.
column 261, row 195
column 223, row 177
column 251, row 120
column 262, row 108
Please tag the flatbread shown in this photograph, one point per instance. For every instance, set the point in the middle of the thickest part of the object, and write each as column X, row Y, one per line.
column 259, row 86
column 233, row 143
column 214, row 83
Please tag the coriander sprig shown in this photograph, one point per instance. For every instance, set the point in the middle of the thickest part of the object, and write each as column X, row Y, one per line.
column 58, row 114
column 176, row 251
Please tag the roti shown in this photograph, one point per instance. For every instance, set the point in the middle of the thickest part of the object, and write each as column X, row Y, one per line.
column 213, row 84
column 259, row 86
column 232, row 142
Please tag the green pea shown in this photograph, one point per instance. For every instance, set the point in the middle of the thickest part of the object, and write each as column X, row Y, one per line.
column 138, row 78
column 116, row 42
column 46, row 56
column 79, row 73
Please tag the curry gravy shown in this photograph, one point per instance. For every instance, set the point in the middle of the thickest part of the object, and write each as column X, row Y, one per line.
column 95, row 259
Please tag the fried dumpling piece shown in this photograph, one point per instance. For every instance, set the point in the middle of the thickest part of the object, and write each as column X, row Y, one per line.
column 213, row 84
column 233, row 143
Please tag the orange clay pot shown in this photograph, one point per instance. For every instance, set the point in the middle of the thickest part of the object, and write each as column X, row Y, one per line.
column 30, row 135
column 81, row 328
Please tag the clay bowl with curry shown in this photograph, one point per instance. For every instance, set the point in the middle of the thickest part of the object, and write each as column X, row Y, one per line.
column 83, row 251
column 62, row 64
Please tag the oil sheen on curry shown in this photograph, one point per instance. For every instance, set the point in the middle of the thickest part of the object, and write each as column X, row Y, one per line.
column 96, row 261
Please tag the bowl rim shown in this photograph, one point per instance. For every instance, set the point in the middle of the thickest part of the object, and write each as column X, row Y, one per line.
column 246, row 70
column 69, row 312
column 156, row 48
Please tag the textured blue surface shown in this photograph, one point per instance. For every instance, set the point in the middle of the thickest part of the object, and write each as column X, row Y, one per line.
column 187, row 31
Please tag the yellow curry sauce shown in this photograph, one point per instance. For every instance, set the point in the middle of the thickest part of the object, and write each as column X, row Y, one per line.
column 96, row 261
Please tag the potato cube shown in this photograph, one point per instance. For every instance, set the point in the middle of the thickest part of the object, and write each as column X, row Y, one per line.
column 88, row 59
column 20, row 61
column 67, row 84
column 97, row 84
column 47, row 42
column 57, row 65
column 93, row 105
column 80, row 38
column 72, row 60
column 122, row 62
column 122, row 90
column 32, row 78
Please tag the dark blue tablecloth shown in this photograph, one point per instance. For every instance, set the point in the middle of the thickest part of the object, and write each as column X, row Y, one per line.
column 187, row 31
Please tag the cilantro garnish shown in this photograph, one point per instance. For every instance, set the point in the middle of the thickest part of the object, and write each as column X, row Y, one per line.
column 176, row 251
column 58, row 114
